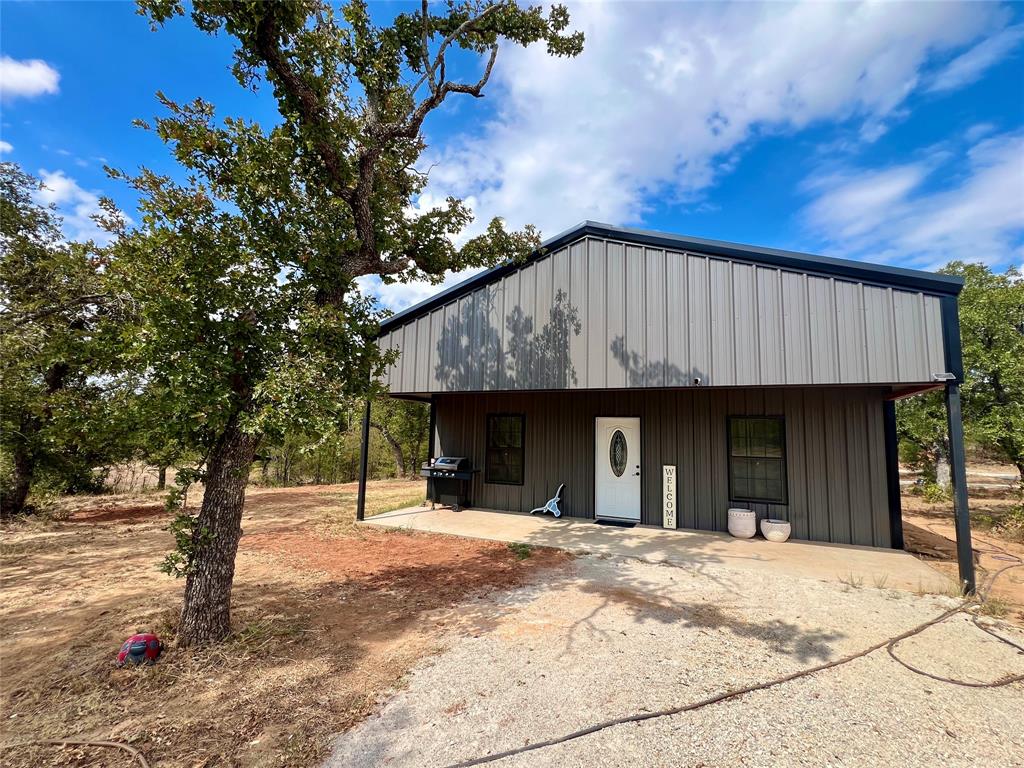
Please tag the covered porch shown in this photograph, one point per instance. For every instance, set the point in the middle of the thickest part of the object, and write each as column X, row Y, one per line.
column 855, row 565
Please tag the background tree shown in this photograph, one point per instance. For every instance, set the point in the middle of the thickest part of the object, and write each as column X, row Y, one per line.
column 55, row 421
column 403, row 424
column 992, row 330
column 247, row 314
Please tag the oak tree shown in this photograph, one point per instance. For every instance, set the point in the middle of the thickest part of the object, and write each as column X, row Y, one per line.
column 54, row 418
column 248, row 315
column 992, row 333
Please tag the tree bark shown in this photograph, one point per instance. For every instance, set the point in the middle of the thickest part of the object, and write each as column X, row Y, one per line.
column 13, row 503
column 206, row 613
column 942, row 473
column 396, row 448
column 161, row 478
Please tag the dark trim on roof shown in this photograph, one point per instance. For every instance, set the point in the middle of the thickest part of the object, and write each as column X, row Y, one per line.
column 897, row 277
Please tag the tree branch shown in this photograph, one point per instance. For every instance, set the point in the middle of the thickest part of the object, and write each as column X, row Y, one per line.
column 16, row 320
column 313, row 113
column 312, row 110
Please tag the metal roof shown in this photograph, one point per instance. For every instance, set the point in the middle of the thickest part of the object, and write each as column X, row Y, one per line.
column 898, row 277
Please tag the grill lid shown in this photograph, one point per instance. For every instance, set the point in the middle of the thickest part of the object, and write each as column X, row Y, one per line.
column 452, row 462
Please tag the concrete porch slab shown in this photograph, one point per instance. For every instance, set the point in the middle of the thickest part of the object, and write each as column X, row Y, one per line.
column 863, row 566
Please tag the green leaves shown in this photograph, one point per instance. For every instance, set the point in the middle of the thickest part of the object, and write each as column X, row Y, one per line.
column 54, row 347
column 353, row 97
column 242, row 277
column 992, row 333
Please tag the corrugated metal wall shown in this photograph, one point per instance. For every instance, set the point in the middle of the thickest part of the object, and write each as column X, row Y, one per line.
column 835, row 453
column 599, row 314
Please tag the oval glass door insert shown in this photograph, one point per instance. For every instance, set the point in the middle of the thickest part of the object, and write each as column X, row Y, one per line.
column 617, row 453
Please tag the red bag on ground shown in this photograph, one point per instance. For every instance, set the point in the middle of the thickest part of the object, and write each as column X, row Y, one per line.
column 143, row 648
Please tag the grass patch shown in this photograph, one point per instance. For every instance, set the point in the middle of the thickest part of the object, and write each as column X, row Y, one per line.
column 521, row 551
column 994, row 607
column 851, row 580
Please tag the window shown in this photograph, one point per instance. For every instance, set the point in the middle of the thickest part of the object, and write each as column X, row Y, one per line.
column 505, row 448
column 757, row 459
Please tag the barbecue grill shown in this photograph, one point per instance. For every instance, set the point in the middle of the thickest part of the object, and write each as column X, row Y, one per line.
column 448, row 481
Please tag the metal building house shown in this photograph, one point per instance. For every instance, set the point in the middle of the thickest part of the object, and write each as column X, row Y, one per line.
column 765, row 378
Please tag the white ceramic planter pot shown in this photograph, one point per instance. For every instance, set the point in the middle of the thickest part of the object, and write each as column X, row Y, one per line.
column 775, row 530
column 742, row 523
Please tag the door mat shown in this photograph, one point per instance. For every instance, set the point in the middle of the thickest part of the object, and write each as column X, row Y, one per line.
column 616, row 523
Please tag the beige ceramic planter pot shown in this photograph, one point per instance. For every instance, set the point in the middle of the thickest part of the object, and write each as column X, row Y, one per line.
column 775, row 530
column 742, row 523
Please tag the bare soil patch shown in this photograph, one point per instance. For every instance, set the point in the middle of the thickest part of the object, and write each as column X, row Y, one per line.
column 929, row 532
column 328, row 617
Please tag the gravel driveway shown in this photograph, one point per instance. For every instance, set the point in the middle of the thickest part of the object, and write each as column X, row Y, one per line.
column 606, row 638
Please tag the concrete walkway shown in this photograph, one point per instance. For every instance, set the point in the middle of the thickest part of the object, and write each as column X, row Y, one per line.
column 860, row 566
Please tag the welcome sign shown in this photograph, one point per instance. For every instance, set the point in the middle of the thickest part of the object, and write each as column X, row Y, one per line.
column 668, row 496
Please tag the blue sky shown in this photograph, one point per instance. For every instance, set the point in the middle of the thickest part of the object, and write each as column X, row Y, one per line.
column 885, row 132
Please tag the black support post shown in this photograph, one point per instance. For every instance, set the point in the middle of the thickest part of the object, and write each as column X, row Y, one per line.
column 958, row 468
column 364, row 460
column 892, row 474
column 431, row 439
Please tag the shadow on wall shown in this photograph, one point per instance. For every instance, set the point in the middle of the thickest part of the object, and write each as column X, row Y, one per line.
column 641, row 372
column 473, row 355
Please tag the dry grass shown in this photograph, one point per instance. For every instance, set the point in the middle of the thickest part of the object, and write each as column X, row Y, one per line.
column 327, row 618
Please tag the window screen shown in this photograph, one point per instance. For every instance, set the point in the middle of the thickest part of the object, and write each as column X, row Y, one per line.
column 505, row 448
column 757, row 459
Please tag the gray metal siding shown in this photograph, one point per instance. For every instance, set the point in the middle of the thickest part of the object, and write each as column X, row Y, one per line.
column 835, row 453
column 600, row 314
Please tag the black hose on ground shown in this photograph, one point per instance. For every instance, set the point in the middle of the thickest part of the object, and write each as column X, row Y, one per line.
column 889, row 644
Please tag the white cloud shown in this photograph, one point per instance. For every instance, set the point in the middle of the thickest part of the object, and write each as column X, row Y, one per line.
column 75, row 204
column 398, row 296
column 31, row 77
column 666, row 97
column 5, row 147
column 970, row 66
column 892, row 215
column 978, row 131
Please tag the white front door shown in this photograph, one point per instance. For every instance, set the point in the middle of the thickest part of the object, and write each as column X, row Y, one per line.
column 617, row 468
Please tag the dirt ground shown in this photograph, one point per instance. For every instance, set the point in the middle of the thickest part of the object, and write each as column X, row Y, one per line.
column 329, row 621
column 929, row 533
column 327, row 618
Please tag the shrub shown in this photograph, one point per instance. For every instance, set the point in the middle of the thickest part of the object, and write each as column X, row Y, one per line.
column 934, row 493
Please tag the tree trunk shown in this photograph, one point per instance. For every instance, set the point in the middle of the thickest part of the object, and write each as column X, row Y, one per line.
column 13, row 503
column 396, row 448
column 23, row 456
column 206, row 613
column 161, row 478
column 942, row 474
